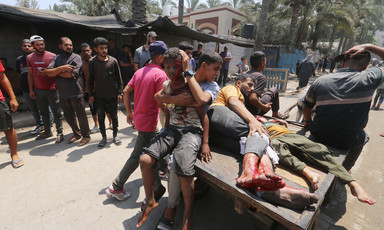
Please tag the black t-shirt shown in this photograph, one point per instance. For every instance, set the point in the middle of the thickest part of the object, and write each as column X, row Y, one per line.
column 22, row 68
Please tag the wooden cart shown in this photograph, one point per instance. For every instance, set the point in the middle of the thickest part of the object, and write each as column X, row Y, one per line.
column 225, row 168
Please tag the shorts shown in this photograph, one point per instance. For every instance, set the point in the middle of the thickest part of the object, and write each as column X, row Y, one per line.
column 5, row 117
column 183, row 142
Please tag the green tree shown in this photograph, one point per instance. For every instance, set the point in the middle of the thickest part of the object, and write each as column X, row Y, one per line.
column 196, row 5
column 262, row 23
column 33, row 4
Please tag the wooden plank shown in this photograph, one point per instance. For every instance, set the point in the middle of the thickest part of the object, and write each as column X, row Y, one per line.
column 221, row 174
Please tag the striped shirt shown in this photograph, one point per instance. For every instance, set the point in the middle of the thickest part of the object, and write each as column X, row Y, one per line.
column 343, row 100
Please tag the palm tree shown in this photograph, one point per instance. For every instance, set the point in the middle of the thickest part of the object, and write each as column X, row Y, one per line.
column 196, row 5
column 262, row 22
column 181, row 12
column 214, row 3
column 139, row 8
column 296, row 5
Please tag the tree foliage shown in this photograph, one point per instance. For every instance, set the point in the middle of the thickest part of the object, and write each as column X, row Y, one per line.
column 33, row 4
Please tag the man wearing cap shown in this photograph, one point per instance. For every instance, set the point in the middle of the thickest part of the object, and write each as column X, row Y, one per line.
column 142, row 54
column 343, row 101
column 43, row 88
column 66, row 68
column 22, row 68
column 145, row 83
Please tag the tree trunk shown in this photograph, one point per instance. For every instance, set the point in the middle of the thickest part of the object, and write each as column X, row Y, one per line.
column 262, row 23
column 139, row 11
column 340, row 43
column 315, row 36
column 293, row 28
column 117, row 6
column 181, row 12
column 345, row 43
column 332, row 39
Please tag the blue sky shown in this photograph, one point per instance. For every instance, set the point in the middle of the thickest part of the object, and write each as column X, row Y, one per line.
column 44, row 4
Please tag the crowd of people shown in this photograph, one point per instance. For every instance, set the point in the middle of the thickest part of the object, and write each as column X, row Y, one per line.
column 182, row 84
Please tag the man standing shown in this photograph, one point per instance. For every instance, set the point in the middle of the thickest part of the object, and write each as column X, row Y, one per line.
column 225, row 67
column 43, row 89
column 343, row 100
column 260, row 101
column 112, row 49
column 307, row 69
column 86, row 55
column 106, row 86
column 196, row 54
column 66, row 68
column 142, row 54
column 126, row 64
column 22, row 68
column 6, row 124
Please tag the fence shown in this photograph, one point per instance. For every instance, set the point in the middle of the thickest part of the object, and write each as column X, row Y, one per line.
column 276, row 78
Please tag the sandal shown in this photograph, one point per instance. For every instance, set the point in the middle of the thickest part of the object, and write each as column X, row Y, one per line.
column 43, row 136
column 84, row 141
column 59, row 138
column 17, row 163
column 73, row 139
column 382, row 134
column 165, row 224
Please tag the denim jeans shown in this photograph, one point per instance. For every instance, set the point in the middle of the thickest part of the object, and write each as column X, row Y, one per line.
column 46, row 99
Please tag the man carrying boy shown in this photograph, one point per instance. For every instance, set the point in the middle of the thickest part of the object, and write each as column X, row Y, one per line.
column 145, row 83
column 183, row 136
column 43, row 89
column 204, row 90
column 105, row 85
column 6, row 124
column 66, row 68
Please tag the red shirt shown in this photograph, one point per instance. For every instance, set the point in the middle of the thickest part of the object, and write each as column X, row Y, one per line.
column 146, row 82
column 37, row 62
column 2, row 98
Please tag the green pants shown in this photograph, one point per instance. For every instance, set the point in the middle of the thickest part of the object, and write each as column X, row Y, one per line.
column 296, row 149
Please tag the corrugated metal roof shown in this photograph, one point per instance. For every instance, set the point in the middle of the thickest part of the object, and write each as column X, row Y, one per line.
column 113, row 24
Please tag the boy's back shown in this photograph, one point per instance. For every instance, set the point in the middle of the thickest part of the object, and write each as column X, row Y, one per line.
column 181, row 116
column 146, row 82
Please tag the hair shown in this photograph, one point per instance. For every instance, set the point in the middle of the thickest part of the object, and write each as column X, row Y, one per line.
column 125, row 45
column 185, row 46
column 100, row 41
column 244, row 76
column 25, row 41
column 172, row 53
column 209, row 57
column 84, row 45
column 243, row 58
column 199, row 45
column 360, row 60
column 62, row 39
column 256, row 59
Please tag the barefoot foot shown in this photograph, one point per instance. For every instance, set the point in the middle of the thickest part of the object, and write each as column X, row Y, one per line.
column 359, row 192
column 148, row 208
column 312, row 177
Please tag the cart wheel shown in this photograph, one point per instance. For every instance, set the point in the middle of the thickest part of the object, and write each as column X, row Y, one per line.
column 201, row 188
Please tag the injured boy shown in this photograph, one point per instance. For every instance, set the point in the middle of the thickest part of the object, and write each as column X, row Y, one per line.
column 186, row 132
column 294, row 148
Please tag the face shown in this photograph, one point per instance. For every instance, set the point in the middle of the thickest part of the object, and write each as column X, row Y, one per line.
column 199, row 48
column 246, row 87
column 211, row 71
column 245, row 61
column 172, row 68
column 27, row 48
column 189, row 53
column 151, row 40
column 264, row 63
column 39, row 46
column 111, row 43
column 101, row 50
column 86, row 52
column 66, row 46
column 126, row 50
column 225, row 49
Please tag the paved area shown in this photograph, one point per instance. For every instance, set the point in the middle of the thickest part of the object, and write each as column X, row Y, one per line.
column 61, row 186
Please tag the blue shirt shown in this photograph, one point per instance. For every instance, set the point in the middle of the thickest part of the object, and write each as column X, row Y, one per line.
column 342, row 102
column 212, row 88
column 225, row 63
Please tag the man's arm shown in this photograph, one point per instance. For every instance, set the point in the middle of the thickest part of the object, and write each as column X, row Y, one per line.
column 127, row 102
column 119, row 82
column 236, row 106
column 366, row 47
column 201, row 97
column 64, row 71
column 181, row 99
column 255, row 102
column 205, row 150
column 307, row 113
column 4, row 82
column 30, row 83
column 91, row 82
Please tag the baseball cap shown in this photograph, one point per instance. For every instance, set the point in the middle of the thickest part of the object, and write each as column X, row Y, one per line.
column 152, row 34
column 36, row 38
column 343, row 57
column 157, row 47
